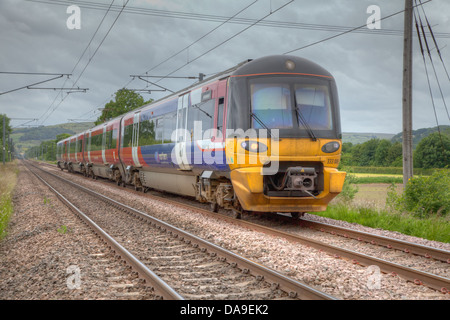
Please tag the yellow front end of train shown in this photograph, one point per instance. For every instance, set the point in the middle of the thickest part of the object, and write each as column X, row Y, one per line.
column 255, row 163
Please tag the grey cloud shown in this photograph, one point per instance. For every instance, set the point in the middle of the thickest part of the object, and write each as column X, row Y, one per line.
column 368, row 68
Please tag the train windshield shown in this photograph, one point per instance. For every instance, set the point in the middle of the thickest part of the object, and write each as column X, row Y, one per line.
column 278, row 105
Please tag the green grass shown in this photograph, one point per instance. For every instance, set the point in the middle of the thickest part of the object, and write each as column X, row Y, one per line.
column 368, row 207
column 8, row 177
column 376, row 178
column 435, row 228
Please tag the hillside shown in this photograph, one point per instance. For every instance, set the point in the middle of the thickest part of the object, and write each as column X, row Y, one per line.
column 359, row 137
column 25, row 138
column 419, row 134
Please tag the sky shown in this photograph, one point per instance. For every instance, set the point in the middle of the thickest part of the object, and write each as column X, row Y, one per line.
column 42, row 36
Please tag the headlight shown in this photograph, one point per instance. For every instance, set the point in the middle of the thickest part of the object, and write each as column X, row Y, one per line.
column 331, row 147
column 254, row 146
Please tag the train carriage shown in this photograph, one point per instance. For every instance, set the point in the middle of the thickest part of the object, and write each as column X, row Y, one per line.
column 263, row 136
column 61, row 153
column 101, row 152
column 75, row 160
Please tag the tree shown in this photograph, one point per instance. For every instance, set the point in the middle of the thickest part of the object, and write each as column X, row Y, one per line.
column 364, row 154
column 394, row 156
column 381, row 153
column 432, row 152
column 8, row 131
column 125, row 101
column 346, row 154
column 62, row 136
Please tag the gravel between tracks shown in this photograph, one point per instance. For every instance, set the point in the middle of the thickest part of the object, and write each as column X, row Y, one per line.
column 192, row 273
column 337, row 277
column 47, row 248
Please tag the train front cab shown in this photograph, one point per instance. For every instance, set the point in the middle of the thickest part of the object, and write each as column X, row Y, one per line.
column 256, row 186
column 292, row 167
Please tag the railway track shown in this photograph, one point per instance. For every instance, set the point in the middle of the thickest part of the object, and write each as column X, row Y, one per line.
column 434, row 281
column 418, row 277
column 179, row 265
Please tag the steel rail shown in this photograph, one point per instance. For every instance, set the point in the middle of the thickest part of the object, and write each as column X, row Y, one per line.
column 390, row 243
column 435, row 282
column 413, row 275
column 159, row 285
column 294, row 288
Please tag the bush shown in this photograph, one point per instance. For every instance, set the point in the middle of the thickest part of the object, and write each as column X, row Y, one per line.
column 424, row 196
column 349, row 189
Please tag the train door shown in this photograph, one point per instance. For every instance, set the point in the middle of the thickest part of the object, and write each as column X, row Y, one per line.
column 104, row 144
column 64, row 151
column 76, row 149
column 68, row 150
column 221, row 112
column 135, row 140
column 89, row 148
column 183, row 140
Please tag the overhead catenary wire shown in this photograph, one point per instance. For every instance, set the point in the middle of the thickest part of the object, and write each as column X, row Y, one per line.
column 215, row 18
column 191, row 61
column 187, row 47
column 33, row 84
column 228, row 39
column 434, row 39
column 429, row 85
column 90, row 59
column 202, row 37
column 346, row 32
column 81, row 56
column 431, row 61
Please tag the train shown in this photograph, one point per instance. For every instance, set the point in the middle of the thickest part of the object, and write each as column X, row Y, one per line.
column 264, row 136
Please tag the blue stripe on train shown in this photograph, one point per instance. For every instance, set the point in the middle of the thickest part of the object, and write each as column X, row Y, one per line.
column 160, row 155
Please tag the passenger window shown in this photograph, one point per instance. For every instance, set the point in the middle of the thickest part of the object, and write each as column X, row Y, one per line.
column 147, row 133
column 170, row 125
column 204, row 113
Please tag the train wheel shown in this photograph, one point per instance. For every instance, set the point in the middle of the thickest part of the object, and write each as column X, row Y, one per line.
column 237, row 213
column 214, row 207
column 296, row 215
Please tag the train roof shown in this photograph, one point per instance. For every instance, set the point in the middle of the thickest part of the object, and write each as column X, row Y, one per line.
column 281, row 64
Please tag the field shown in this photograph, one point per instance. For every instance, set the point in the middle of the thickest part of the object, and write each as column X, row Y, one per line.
column 373, row 194
column 368, row 207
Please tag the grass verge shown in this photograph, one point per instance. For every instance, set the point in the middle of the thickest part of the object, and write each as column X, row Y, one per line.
column 363, row 178
column 8, row 179
column 433, row 228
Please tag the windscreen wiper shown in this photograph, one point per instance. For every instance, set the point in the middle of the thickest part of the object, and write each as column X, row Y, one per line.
column 303, row 121
column 262, row 124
